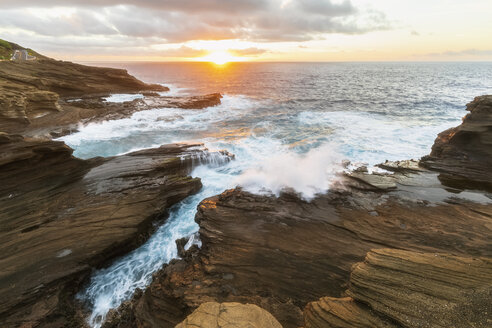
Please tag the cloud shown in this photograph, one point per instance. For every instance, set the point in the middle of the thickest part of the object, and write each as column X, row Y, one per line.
column 185, row 20
column 253, row 51
column 183, row 51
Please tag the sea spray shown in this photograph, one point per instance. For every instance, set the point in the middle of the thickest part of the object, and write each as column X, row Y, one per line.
column 307, row 174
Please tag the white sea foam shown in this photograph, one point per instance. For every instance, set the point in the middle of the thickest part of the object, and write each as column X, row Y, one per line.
column 122, row 97
column 173, row 90
column 373, row 138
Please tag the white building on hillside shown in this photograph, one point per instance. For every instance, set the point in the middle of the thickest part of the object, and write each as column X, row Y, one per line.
column 21, row 55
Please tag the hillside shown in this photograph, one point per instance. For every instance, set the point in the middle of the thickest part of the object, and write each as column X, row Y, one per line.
column 7, row 49
column 31, row 89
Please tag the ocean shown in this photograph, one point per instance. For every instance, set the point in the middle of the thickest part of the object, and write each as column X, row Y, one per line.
column 290, row 125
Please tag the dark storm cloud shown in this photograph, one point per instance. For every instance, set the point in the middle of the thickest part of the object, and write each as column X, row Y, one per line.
column 175, row 21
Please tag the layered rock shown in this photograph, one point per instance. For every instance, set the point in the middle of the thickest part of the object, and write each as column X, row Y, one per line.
column 229, row 315
column 463, row 154
column 61, row 216
column 281, row 253
column 332, row 312
column 396, row 288
column 30, row 89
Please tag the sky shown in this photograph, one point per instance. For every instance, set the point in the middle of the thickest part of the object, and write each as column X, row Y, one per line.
column 252, row 30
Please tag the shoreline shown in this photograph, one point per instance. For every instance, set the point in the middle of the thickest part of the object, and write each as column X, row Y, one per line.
column 235, row 265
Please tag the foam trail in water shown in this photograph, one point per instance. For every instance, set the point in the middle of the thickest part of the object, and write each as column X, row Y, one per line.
column 122, row 97
column 111, row 286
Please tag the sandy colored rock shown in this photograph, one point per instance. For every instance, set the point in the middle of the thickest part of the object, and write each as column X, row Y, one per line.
column 229, row 315
column 330, row 312
column 431, row 290
column 397, row 288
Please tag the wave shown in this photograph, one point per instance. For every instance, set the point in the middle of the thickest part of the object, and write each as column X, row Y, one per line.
column 307, row 174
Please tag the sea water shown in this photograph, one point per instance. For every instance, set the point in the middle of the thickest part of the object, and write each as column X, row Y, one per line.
column 290, row 125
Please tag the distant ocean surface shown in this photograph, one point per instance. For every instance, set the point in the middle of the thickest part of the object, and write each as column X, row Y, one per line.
column 289, row 125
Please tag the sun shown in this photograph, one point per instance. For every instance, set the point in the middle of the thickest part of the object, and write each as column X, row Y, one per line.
column 220, row 58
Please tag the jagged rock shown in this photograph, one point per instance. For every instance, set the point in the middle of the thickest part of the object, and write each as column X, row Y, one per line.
column 193, row 102
column 61, row 216
column 281, row 253
column 425, row 289
column 374, row 181
column 229, row 315
column 463, row 154
column 405, row 166
column 396, row 288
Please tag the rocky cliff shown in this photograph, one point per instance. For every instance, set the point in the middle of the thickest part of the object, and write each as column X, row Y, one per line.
column 42, row 96
column 463, row 154
column 31, row 89
column 61, row 216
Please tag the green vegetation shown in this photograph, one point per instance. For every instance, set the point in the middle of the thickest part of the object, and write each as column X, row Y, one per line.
column 5, row 44
column 5, row 50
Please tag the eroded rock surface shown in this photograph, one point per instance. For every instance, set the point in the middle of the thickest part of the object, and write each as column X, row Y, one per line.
column 61, row 216
column 281, row 253
column 30, row 89
column 46, row 97
column 229, row 315
column 396, row 288
column 464, row 154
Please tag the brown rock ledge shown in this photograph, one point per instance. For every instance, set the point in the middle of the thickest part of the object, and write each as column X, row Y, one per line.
column 46, row 97
column 61, row 216
column 281, row 253
column 396, row 288
column 463, row 154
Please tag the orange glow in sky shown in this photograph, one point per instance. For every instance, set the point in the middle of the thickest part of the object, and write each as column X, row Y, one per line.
column 220, row 58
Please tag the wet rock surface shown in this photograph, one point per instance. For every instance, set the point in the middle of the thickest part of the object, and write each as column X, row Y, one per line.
column 281, row 253
column 463, row 154
column 61, row 216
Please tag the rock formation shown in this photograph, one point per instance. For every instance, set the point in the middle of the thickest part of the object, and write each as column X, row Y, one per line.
column 463, row 154
column 282, row 253
column 37, row 97
column 31, row 89
column 62, row 216
column 229, row 315
column 396, row 288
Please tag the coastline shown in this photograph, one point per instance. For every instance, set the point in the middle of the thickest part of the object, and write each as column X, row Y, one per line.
column 281, row 267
